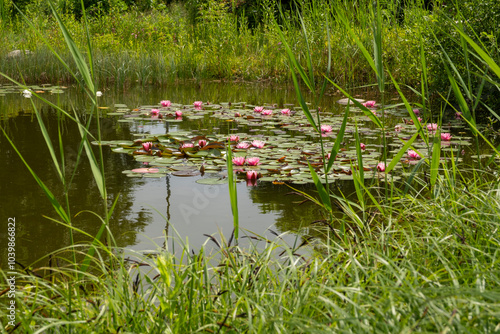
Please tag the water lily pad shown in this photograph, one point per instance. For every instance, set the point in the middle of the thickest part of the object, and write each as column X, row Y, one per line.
column 212, row 181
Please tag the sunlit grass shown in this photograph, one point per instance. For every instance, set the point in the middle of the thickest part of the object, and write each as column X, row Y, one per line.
column 431, row 266
column 424, row 259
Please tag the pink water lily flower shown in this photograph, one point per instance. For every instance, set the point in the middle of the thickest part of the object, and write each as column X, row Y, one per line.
column 254, row 161
column 381, row 167
column 258, row 143
column 239, row 161
column 258, row 109
column 285, row 111
column 237, row 114
column 202, row 143
column 446, row 136
column 458, row 115
column 416, row 111
column 362, row 146
column 432, row 126
column 187, row 145
column 419, row 119
column 326, row 128
column 178, row 113
column 147, row 146
column 198, row 103
column 369, row 104
column 243, row 145
column 413, row 155
column 154, row 112
column 266, row 112
column 252, row 175
column 234, row 138
column 165, row 103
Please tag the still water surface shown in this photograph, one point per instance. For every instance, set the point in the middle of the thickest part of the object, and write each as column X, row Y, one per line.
column 139, row 220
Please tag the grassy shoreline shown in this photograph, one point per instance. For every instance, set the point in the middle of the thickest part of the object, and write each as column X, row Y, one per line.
column 422, row 259
column 160, row 45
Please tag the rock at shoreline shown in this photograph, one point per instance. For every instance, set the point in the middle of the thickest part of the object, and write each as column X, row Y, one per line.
column 18, row 53
column 346, row 100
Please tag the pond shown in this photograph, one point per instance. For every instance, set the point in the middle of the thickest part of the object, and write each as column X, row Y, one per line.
column 194, row 210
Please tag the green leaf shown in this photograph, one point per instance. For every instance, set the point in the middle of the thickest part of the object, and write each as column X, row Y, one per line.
column 402, row 151
column 323, row 194
column 338, row 140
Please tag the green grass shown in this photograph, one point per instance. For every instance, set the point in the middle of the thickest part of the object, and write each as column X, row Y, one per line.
column 158, row 46
column 424, row 258
column 431, row 266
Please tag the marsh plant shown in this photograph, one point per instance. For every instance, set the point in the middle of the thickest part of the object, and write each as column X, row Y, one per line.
column 421, row 257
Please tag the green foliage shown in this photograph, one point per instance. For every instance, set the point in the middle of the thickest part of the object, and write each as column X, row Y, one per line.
column 478, row 20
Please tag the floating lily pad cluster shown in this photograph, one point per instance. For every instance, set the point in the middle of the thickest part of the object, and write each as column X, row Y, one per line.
column 41, row 89
column 267, row 143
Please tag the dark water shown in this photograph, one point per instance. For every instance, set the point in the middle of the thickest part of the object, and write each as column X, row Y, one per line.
column 139, row 219
column 144, row 205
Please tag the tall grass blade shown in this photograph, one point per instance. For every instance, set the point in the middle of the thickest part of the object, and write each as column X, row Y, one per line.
column 96, row 172
column 53, row 200
column 75, row 52
column 436, row 157
column 458, row 95
column 302, row 102
column 338, row 140
column 296, row 66
column 413, row 117
column 377, row 47
column 410, row 178
column 323, row 193
column 343, row 18
column 483, row 54
column 308, row 55
column 365, row 110
column 48, row 143
column 395, row 160
column 232, row 191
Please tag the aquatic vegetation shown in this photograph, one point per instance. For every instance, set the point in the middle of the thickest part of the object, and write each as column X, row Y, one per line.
column 238, row 161
column 445, row 136
column 278, row 147
column 326, row 128
column 27, row 93
column 253, row 161
column 432, row 127
column 243, row 145
column 258, row 143
column 413, row 155
column 147, row 146
column 370, row 104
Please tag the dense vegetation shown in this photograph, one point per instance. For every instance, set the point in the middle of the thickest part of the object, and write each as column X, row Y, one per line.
column 421, row 257
column 160, row 41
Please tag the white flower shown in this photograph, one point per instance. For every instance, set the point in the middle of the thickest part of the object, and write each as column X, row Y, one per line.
column 27, row 93
column 98, row 93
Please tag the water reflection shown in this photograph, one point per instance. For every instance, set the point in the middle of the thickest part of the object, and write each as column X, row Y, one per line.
column 143, row 205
